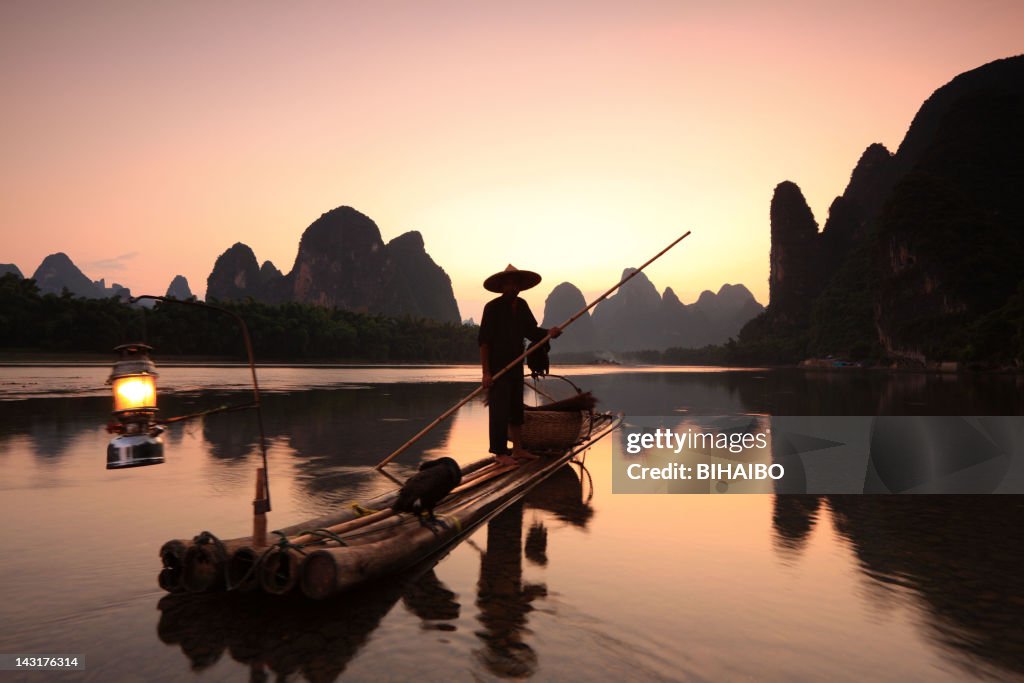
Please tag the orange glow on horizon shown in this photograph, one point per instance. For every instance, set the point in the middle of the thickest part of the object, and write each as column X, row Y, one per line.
column 575, row 140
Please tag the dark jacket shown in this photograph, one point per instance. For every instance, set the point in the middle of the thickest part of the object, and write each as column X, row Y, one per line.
column 503, row 328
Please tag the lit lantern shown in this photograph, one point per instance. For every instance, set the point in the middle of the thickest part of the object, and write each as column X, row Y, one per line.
column 133, row 379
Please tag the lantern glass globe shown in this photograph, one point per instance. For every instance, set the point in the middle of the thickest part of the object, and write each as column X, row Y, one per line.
column 134, row 392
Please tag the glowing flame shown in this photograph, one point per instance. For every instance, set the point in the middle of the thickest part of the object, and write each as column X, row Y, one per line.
column 134, row 392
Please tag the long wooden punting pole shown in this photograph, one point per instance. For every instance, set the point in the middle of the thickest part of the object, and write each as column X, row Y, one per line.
column 401, row 449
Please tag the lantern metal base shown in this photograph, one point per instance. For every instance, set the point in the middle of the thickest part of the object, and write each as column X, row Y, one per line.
column 134, row 450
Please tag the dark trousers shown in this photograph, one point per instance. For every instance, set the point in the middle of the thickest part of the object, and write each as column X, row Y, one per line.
column 505, row 399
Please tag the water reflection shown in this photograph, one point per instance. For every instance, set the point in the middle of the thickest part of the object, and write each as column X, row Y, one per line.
column 430, row 600
column 868, row 392
column 505, row 599
column 793, row 518
column 562, row 494
column 798, row 392
column 292, row 635
column 281, row 635
column 953, row 561
column 354, row 427
column 957, row 559
column 352, row 424
column 51, row 425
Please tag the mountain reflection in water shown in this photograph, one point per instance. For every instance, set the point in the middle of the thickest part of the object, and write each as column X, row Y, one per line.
column 342, row 434
column 957, row 558
column 576, row 582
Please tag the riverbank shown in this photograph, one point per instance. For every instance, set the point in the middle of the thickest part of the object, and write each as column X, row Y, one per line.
column 561, row 364
column 44, row 358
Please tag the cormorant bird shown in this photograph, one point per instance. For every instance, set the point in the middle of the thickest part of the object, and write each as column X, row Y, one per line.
column 428, row 487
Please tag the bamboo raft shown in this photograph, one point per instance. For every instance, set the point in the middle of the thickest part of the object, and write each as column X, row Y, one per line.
column 358, row 543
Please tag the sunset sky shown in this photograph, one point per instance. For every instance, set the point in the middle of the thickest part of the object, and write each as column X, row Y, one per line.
column 572, row 138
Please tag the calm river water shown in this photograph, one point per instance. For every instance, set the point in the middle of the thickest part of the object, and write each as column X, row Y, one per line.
column 573, row 583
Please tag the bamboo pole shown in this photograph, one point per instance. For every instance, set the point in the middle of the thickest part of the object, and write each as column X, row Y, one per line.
column 480, row 472
column 172, row 556
column 280, row 571
column 491, row 474
column 204, row 567
column 471, row 473
column 209, row 567
column 205, row 563
column 326, row 571
column 242, row 572
column 448, row 413
column 260, row 503
column 485, row 474
column 345, row 526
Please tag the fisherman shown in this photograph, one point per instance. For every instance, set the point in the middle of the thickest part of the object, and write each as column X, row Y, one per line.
column 506, row 321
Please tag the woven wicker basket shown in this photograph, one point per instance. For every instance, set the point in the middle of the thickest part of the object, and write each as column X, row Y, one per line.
column 548, row 430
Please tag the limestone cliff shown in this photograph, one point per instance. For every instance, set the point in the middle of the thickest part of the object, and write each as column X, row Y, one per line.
column 564, row 301
column 6, row 268
column 417, row 286
column 342, row 262
column 57, row 272
column 794, row 278
column 235, row 275
column 637, row 318
column 920, row 256
column 179, row 289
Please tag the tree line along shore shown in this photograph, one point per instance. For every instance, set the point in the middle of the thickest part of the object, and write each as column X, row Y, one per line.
column 36, row 327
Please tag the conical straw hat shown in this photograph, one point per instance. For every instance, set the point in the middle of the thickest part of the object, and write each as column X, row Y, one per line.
column 524, row 279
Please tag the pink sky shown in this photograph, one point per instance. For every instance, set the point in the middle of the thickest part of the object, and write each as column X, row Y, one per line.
column 572, row 138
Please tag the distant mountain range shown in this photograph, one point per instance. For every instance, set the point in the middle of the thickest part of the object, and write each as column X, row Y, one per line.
column 6, row 268
column 921, row 256
column 343, row 262
column 57, row 273
column 637, row 318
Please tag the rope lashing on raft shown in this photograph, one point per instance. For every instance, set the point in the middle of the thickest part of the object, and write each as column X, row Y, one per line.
column 207, row 538
column 281, row 545
column 284, row 544
column 449, row 520
column 362, row 511
column 324, row 534
column 252, row 568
